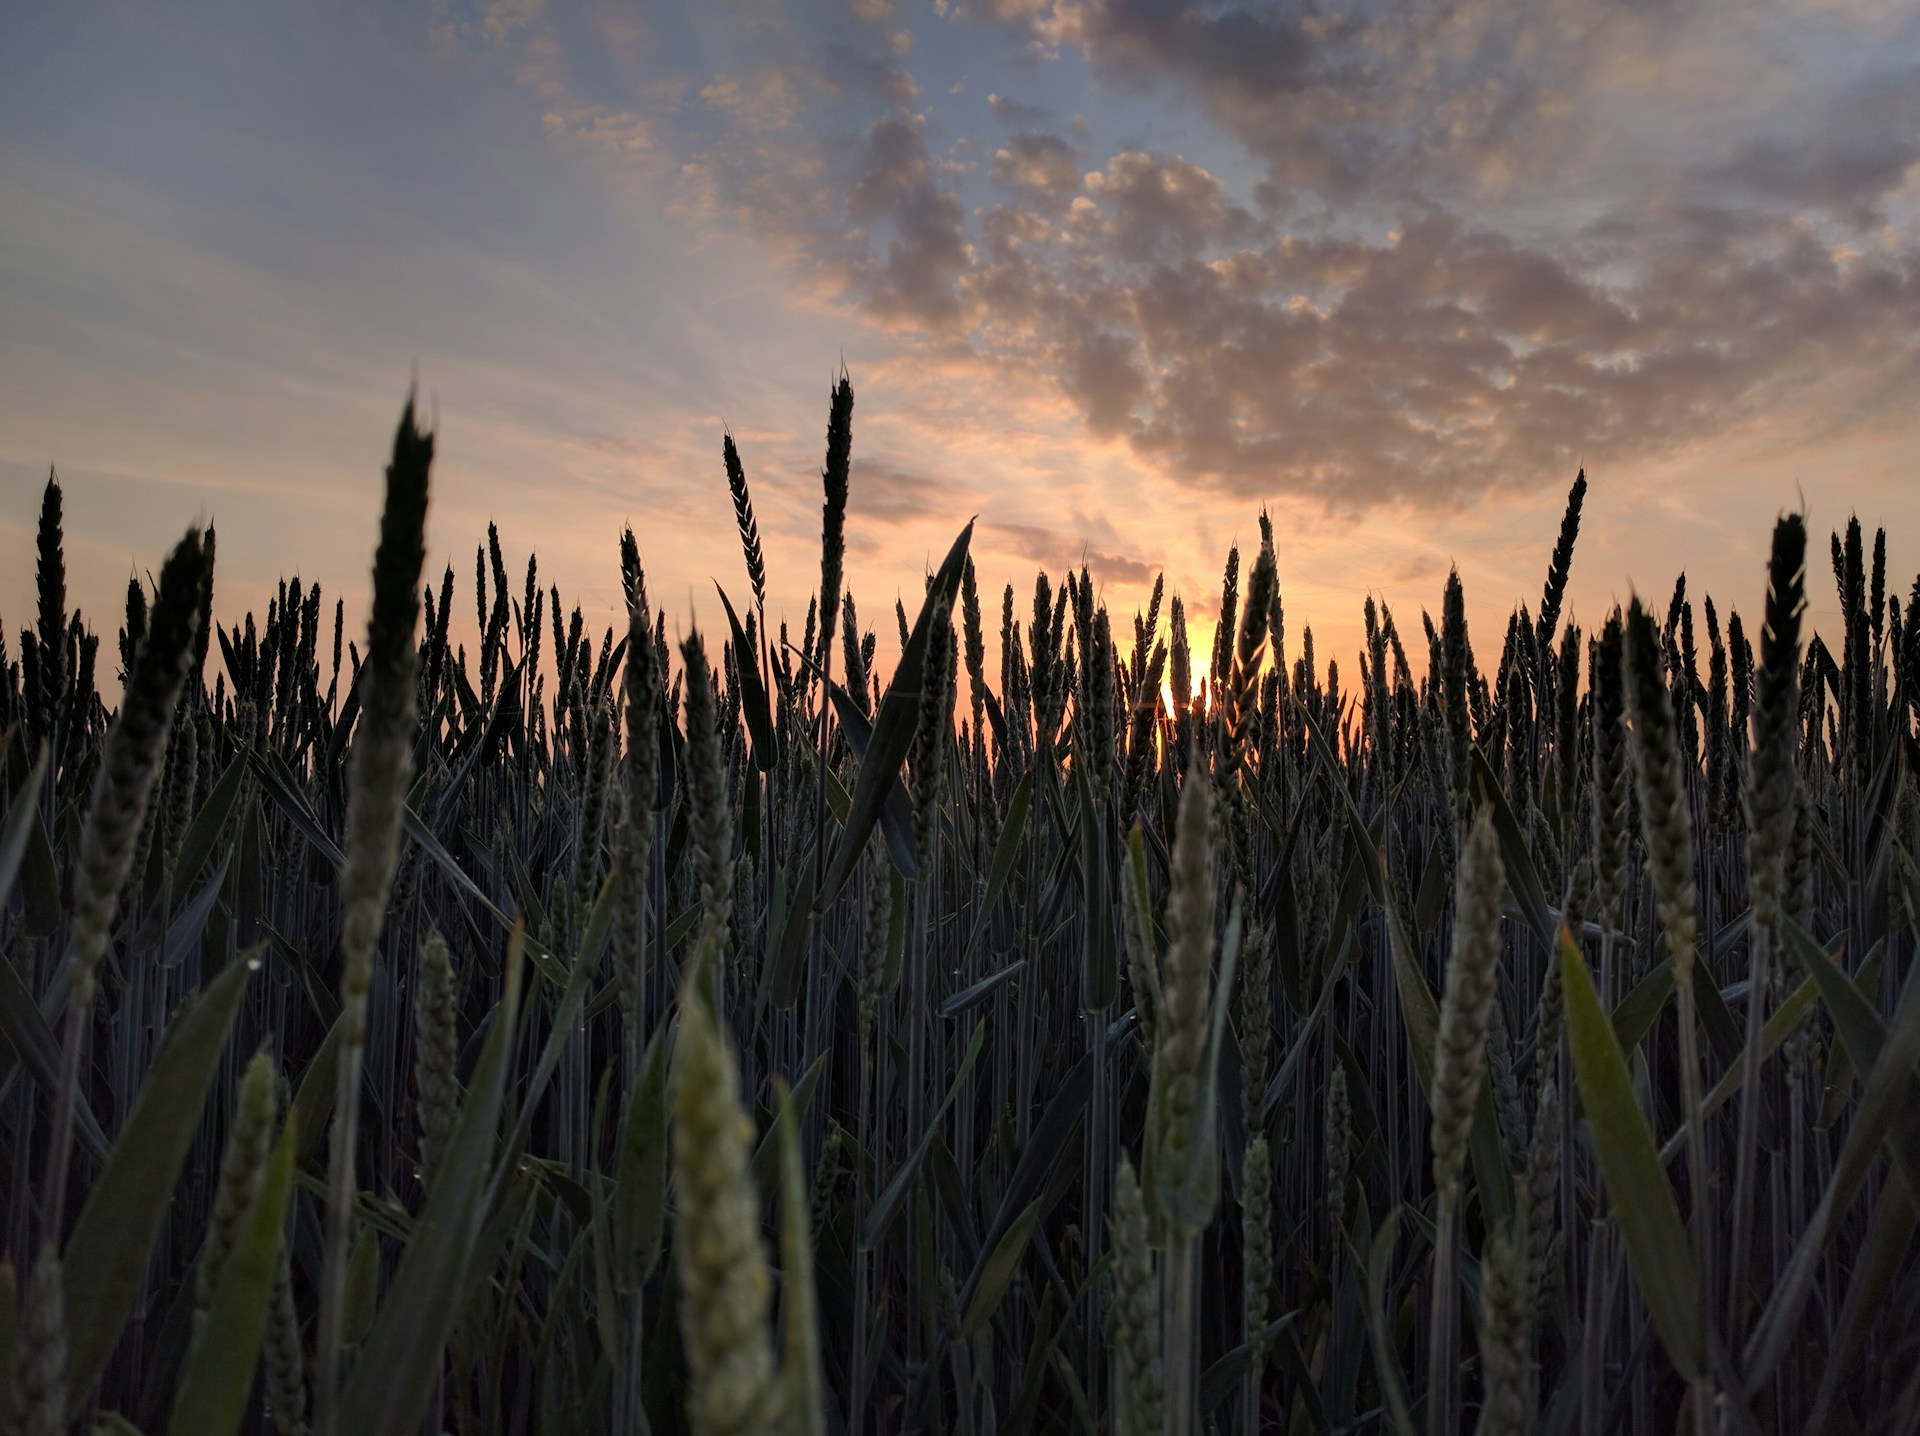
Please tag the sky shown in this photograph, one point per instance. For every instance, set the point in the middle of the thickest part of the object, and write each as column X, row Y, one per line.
column 1113, row 276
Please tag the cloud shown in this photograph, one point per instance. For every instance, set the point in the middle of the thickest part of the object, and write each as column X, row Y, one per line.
column 1160, row 206
column 865, row 72
column 1417, row 569
column 1845, row 161
column 1365, row 105
column 615, row 134
column 1101, row 370
column 1012, row 112
column 912, row 280
column 883, row 492
column 1053, row 549
column 1255, row 47
column 1410, row 258
column 1446, row 360
column 1041, row 168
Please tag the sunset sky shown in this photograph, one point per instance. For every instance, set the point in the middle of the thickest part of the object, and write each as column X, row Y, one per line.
column 1111, row 274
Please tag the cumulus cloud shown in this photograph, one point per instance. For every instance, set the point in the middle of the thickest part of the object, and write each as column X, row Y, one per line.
column 911, row 279
column 1041, row 167
column 1162, row 206
column 1447, row 360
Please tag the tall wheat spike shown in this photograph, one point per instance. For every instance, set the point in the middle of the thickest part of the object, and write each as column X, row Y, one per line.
column 725, row 1287
column 1666, row 819
column 1769, row 812
column 376, row 794
column 1459, row 1063
column 750, row 549
column 136, row 749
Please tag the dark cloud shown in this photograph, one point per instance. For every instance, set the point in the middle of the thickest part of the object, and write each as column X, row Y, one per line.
column 1101, row 370
column 1360, row 103
column 1051, row 548
column 1012, row 112
column 1159, row 206
column 1258, row 47
column 882, row 492
column 863, row 71
column 1846, row 161
column 895, row 166
column 1041, row 167
column 1007, row 229
column 926, row 248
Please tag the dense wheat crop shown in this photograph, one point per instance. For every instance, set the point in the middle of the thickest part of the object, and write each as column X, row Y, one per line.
column 588, row 1033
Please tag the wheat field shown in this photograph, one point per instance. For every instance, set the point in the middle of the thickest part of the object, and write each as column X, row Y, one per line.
column 596, row 1033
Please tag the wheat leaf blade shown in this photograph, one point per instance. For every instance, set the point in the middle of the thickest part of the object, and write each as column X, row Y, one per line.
column 1643, row 1201
column 212, row 1399
column 893, row 726
column 387, row 1391
column 106, row 1253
